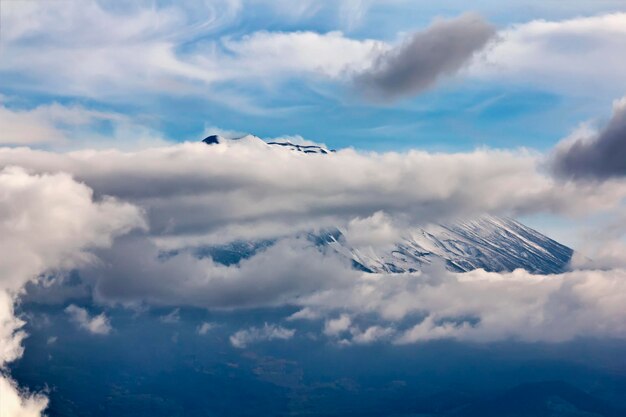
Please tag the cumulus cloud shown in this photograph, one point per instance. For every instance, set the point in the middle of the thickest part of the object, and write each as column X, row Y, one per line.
column 334, row 327
column 99, row 324
column 50, row 222
column 18, row 403
column 420, row 61
column 598, row 155
column 243, row 338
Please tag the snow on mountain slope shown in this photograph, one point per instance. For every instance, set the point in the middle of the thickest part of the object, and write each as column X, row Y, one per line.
column 488, row 242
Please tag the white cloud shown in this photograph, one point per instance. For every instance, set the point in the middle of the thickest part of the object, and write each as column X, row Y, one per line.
column 134, row 273
column 205, row 328
column 304, row 314
column 110, row 51
column 18, row 403
column 114, row 53
column 371, row 334
column 99, row 324
column 72, row 127
column 482, row 307
column 577, row 55
column 243, row 338
column 334, row 327
column 172, row 317
column 280, row 53
column 170, row 50
column 379, row 229
column 50, row 222
column 239, row 190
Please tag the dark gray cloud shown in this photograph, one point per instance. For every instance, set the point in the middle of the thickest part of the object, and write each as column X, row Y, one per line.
column 415, row 65
column 598, row 156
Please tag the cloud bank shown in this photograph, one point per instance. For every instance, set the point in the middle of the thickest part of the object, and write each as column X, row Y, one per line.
column 196, row 194
column 193, row 194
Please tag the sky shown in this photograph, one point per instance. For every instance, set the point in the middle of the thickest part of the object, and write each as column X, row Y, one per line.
column 437, row 112
column 171, row 72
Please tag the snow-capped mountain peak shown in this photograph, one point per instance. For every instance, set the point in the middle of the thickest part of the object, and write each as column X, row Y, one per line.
column 306, row 148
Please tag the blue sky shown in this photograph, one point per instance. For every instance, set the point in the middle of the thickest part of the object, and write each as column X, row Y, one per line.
column 459, row 112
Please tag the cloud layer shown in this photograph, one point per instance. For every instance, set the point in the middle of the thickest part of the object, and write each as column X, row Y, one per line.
column 194, row 193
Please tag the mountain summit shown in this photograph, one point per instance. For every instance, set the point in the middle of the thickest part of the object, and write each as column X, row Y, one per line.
column 282, row 143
